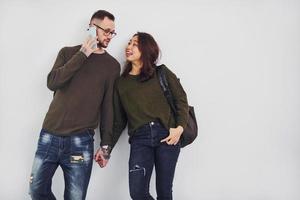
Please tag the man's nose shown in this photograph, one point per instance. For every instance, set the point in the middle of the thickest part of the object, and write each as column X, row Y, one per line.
column 109, row 36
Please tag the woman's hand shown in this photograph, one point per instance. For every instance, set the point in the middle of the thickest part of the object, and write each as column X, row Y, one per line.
column 174, row 136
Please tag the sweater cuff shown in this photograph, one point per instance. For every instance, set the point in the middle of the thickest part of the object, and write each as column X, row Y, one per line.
column 106, row 142
column 81, row 54
column 181, row 123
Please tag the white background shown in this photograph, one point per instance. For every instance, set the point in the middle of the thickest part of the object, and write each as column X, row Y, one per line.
column 239, row 61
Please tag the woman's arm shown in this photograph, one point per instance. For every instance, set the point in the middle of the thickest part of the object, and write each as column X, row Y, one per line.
column 179, row 97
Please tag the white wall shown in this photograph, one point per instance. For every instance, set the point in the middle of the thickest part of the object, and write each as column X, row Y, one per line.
column 239, row 61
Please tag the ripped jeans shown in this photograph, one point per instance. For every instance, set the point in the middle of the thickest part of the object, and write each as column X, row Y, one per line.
column 146, row 151
column 74, row 154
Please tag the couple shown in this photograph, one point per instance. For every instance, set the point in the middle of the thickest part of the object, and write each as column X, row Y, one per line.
column 89, row 91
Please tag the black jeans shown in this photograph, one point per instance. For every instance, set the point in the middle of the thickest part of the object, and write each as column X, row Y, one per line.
column 147, row 151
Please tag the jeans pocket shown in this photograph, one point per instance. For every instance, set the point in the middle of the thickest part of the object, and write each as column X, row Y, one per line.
column 44, row 143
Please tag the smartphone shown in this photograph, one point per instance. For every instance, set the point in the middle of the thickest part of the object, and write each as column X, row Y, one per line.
column 91, row 31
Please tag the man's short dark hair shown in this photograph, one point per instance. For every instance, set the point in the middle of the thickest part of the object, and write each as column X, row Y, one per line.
column 101, row 14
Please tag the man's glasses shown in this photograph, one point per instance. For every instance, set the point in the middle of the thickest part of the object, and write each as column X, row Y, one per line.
column 107, row 32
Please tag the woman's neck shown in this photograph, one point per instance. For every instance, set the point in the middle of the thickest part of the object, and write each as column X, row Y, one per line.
column 136, row 68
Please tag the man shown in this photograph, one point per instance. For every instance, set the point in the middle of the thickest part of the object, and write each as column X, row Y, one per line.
column 82, row 79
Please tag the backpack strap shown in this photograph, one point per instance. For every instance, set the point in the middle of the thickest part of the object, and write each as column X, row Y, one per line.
column 161, row 72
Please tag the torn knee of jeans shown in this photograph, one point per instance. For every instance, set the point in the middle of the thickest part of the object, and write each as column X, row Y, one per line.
column 137, row 168
column 37, row 163
column 31, row 179
column 76, row 193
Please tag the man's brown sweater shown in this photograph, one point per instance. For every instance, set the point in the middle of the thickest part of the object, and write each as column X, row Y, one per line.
column 83, row 95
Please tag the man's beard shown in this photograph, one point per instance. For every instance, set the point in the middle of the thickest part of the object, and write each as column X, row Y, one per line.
column 101, row 45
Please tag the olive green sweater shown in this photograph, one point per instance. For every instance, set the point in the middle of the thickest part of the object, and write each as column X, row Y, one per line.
column 138, row 103
column 83, row 93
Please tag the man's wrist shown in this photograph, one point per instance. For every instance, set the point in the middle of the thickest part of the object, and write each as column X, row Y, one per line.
column 84, row 51
column 106, row 149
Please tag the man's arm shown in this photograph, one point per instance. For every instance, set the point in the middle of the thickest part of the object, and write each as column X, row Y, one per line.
column 63, row 70
column 119, row 123
column 106, row 122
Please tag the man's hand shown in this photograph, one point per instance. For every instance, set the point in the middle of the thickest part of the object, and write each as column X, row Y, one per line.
column 87, row 46
column 102, row 157
column 174, row 136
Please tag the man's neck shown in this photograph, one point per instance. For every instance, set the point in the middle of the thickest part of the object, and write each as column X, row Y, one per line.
column 100, row 51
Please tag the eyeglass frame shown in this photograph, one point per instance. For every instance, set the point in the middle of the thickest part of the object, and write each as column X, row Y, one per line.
column 106, row 33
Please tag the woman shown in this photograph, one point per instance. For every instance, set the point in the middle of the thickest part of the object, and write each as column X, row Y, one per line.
column 154, row 131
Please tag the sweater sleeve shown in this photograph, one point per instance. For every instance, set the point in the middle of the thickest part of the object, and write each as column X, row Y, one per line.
column 106, row 117
column 180, row 98
column 120, row 117
column 63, row 70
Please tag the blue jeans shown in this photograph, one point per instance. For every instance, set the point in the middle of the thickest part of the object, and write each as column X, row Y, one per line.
column 74, row 154
column 146, row 151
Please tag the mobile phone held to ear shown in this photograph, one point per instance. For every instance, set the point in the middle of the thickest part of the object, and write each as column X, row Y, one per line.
column 91, row 31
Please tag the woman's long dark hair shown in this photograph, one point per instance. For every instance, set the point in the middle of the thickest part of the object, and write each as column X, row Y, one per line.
column 149, row 55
